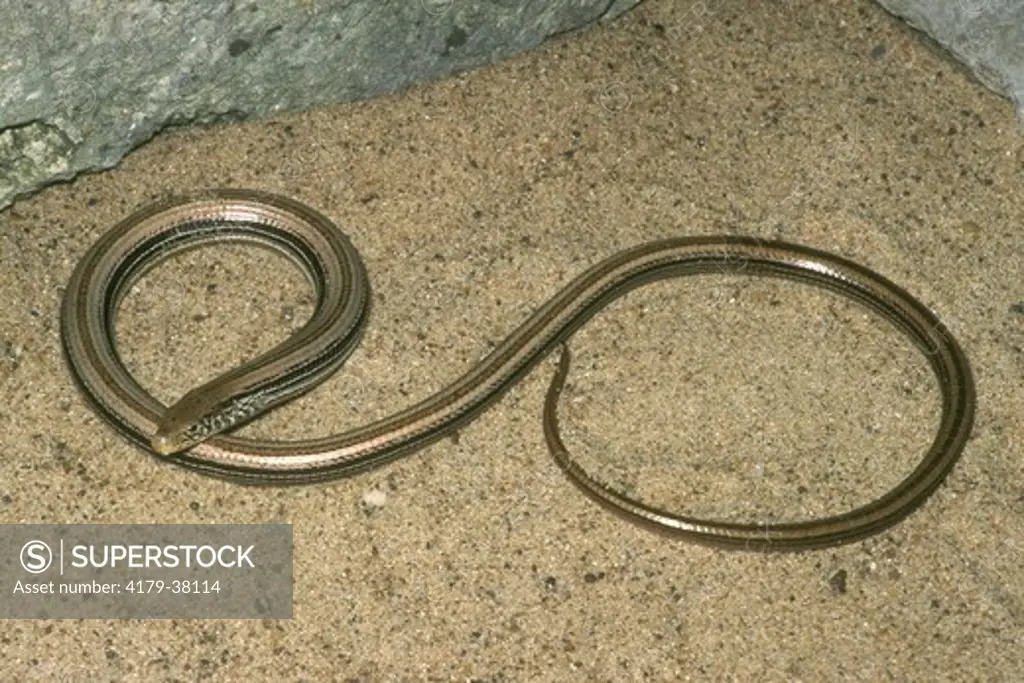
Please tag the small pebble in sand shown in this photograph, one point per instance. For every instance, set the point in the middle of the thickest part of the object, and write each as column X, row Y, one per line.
column 375, row 498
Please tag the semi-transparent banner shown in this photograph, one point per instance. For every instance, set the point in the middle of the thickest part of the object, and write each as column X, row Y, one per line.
column 145, row 571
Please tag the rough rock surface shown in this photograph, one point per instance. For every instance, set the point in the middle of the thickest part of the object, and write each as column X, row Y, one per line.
column 82, row 83
column 986, row 35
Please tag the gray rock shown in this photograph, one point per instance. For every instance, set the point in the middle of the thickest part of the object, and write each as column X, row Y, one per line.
column 986, row 35
column 82, row 84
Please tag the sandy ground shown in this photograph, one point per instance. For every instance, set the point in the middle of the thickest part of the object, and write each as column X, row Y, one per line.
column 472, row 201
